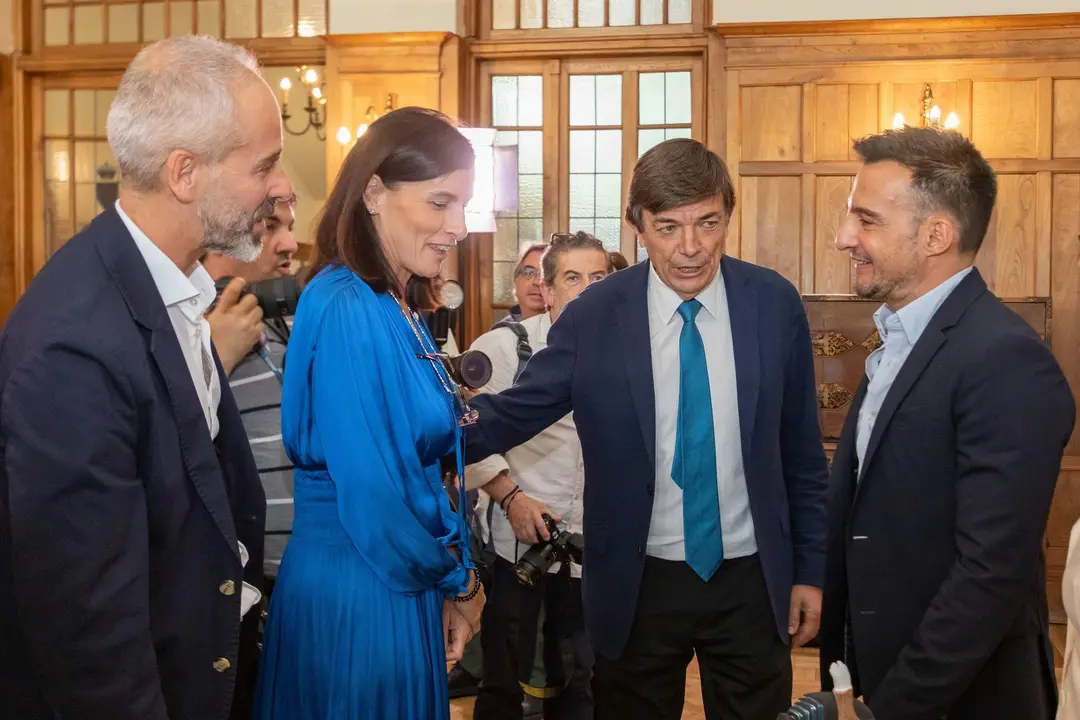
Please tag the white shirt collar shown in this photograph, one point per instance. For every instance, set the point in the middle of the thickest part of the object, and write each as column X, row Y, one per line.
column 664, row 302
column 192, row 293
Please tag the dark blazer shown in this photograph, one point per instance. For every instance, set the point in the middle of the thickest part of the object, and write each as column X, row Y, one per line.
column 937, row 548
column 597, row 363
column 120, row 574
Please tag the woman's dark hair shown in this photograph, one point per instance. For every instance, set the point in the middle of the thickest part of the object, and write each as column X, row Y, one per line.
column 408, row 145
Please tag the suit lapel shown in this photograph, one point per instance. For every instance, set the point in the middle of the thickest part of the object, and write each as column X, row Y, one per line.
column 742, row 301
column 632, row 320
column 129, row 272
column 927, row 346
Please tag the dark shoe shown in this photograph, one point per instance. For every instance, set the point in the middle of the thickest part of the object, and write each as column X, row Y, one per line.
column 462, row 683
column 532, row 708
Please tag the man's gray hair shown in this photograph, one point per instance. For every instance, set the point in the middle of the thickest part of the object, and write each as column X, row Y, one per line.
column 177, row 94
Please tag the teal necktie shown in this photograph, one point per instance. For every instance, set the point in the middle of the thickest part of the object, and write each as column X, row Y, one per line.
column 694, row 466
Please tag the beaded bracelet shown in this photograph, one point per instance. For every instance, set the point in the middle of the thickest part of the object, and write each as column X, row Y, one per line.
column 472, row 593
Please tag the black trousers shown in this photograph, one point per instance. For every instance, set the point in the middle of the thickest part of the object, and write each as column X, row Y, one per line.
column 509, row 643
column 727, row 622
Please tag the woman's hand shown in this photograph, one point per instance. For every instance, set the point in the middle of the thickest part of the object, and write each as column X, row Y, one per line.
column 471, row 609
column 456, row 631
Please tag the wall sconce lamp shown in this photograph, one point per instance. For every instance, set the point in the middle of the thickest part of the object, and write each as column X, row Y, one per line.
column 344, row 136
column 315, row 105
column 930, row 115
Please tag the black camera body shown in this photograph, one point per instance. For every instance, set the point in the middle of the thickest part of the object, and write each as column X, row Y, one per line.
column 562, row 547
column 277, row 297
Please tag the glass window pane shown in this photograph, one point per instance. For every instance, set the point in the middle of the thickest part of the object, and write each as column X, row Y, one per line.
column 89, row 25
column 84, row 162
column 153, row 22
column 86, row 204
column 531, row 152
column 609, row 100
column 582, row 99
column 58, row 215
column 85, row 120
column 647, row 139
column 209, row 17
column 621, row 12
column 57, row 26
column 181, row 17
column 560, row 13
column 608, row 232
column 608, row 151
column 530, row 196
column 502, row 14
column 582, row 151
column 57, row 160
column 123, row 23
column 683, row 132
column 530, row 91
column 590, row 13
column 678, row 11
column 608, row 195
column 652, row 12
column 504, row 101
column 104, row 158
column 56, row 112
column 277, row 18
column 651, row 99
column 503, row 280
column 241, row 19
column 312, row 18
column 506, row 239
column 582, row 224
column 530, row 232
column 582, row 196
column 103, row 102
column 677, row 97
column 532, row 13
column 642, row 254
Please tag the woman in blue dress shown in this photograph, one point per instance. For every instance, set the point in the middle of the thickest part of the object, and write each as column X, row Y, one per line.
column 376, row 589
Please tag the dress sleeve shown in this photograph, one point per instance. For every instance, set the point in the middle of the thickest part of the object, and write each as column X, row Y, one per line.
column 372, row 460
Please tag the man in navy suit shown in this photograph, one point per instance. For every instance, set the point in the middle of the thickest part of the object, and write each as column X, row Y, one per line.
column 692, row 385
column 129, row 499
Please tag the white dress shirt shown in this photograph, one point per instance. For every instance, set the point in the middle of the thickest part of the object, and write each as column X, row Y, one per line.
column 548, row 468
column 666, row 539
column 186, row 297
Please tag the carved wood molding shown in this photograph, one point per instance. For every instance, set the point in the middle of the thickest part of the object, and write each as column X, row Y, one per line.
column 763, row 45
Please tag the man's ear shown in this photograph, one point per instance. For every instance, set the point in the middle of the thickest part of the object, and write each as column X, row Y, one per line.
column 548, row 295
column 374, row 194
column 182, row 173
column 942, row 234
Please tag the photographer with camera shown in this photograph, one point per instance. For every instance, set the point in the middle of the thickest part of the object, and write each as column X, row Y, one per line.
column 535, row 530
column 249, row 328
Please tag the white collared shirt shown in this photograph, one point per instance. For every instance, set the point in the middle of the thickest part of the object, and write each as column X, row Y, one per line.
column 187, row 298
column 548, row 468
column 666, row 539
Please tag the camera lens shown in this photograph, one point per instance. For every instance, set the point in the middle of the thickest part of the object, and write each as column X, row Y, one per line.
column 527, row 573
column 473, row 369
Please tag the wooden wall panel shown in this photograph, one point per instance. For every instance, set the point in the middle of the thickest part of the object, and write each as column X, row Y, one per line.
column 802, row 99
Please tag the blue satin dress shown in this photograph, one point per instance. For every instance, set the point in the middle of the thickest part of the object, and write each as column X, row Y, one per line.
column 355, row 624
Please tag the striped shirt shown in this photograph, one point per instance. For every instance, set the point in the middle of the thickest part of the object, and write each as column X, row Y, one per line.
column 257, row 389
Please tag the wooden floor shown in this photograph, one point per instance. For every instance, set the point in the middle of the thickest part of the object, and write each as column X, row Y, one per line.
column 804, row 665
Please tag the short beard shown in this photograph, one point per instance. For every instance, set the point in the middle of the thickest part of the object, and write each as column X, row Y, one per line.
column 229, row 230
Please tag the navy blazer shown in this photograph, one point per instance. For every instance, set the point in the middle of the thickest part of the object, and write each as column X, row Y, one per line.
column 935, row 549
column 120, row 574
column 598, row 364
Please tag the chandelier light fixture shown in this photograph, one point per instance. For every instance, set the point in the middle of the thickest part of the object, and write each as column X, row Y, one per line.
column 314, row 103
column 930, row 115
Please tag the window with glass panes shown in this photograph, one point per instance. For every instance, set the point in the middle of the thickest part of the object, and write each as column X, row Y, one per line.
column 609, row 112
column 96, row 22
column 561, row 14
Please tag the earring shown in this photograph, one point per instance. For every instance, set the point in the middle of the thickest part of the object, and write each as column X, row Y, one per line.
column 372, row 212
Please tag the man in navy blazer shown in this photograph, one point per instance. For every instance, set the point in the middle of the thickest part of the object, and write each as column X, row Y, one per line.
column 129, row 497
column 692, row 385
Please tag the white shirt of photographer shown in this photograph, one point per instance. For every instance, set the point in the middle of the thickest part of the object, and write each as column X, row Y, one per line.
column 547, row 468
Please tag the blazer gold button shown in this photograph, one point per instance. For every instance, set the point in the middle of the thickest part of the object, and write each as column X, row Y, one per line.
column 222, row 664
column 227, row 588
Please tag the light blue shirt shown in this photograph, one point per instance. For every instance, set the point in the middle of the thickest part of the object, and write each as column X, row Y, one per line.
column 899, row 331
